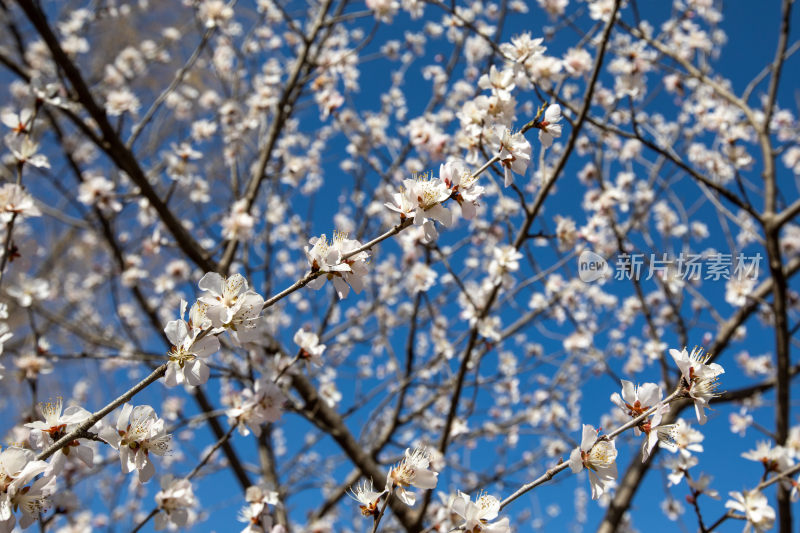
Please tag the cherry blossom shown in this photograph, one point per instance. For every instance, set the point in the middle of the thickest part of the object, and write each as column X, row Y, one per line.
column 97, row 190
column 636, row 401
column 55, row 425
column 211, row 139
column 699, row 379
column 310, row 348
column 339, row 261
column 367, row 497
column 224, row 296
column 256, row 513
column 15, row 201
column 505, row 260
column 17, row 468
column 175, row 500
column 513, row 151
column 421, row 199
column 463, row 185
column 479, row 513
column 190, row 348
column 755, row 506
column 412, row 471
column 138, row 433
column 257, row 406
column 26, row 151
column 599, row 456
column 18, row 122
column 549, row 127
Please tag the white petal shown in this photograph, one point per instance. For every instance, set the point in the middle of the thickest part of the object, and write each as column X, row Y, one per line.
column 176, row 331
column 553, row 113
column 196, row 372
column 206, row 346
column 407, row 497
column 342, row 288
column 425, row 479
column 468, row 210
column 628, row 392
column 575, row 461
column 589, row 437
column 147, row 471
column 122, row 421
column 85, row 454
column 213, row 283
column 171, row 376
column 545, row 138
column 649, row 394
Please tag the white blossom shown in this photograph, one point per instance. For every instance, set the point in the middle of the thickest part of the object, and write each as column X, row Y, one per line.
column 513, row 150
column 698, row 378
column 463, row 185
column 55, row 425
column 478, row 514
column 27, row 153
column 339, row 262
column 238, row 224
column 549, row 127
column 138, row 433
column 367, row 497
column 635, row 401
column 18, row 122
column 420, row 278
column 310, row 348
column 16, row 202
column 17, row 468
column 175, row 500
column 412, row 471
column 421, row 199
column 599, row 457
column 97, row 190
column 505, row 259
column 190, row 349
column 755, row 506
column 257, row 406
column 231, row 306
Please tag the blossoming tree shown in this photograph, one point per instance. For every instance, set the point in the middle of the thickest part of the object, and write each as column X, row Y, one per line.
column 570, row 230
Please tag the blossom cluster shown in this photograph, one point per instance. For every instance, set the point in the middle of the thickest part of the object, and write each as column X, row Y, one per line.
column 647, row 407
column 414, row 471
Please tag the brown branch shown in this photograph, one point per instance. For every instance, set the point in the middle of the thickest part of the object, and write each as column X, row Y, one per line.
column 747, row 392
column 780, row 285
column 329, row 421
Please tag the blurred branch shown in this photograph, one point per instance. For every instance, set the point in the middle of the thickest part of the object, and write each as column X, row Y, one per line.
column 111, row 143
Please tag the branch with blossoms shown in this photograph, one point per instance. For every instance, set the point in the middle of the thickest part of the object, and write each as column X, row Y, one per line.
column 596, row 453
column 605, row 451
column 726, row 331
